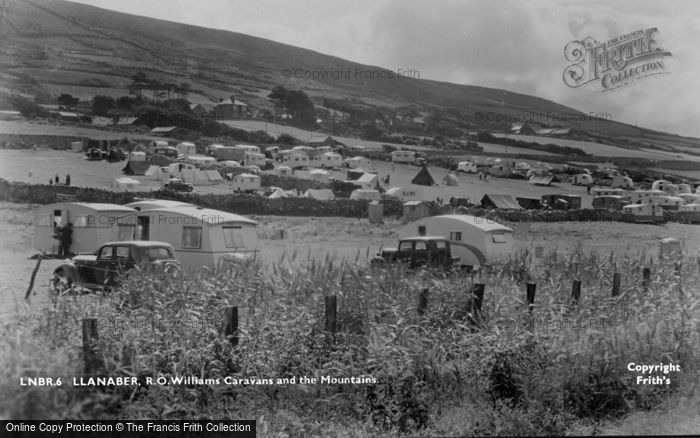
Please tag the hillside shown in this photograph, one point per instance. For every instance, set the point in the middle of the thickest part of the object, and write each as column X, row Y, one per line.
column 57, row 46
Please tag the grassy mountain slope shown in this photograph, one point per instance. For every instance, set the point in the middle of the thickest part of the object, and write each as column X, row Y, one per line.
column 57, row 46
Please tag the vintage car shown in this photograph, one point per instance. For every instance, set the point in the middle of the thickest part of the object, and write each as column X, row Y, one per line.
column 429, row 251
column 111, row 262
column 178, row 185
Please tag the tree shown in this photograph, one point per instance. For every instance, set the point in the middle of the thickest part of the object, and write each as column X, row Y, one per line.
column 68, row 101
column 102, row 104
column 27, row 108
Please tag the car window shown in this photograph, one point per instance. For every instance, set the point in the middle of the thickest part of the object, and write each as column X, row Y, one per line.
column 421, row 246
column 122, row 252
column 105, row 252
column 405, row 246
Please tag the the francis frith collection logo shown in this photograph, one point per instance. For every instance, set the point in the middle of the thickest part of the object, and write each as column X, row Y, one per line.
column 614, row 63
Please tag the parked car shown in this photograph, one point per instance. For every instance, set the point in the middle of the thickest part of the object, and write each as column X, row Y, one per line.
column 178, row 185
column 433, row 251
column 111, row 262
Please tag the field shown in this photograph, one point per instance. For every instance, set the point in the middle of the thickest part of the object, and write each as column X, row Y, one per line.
column 27, row 128
column 603, row 150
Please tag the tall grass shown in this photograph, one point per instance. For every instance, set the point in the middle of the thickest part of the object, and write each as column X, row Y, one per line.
column 519, row 372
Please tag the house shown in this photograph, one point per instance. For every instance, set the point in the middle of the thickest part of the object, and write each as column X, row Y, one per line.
column 296, row 160
column 473, row 240
column 125, row 185
column 321, row 194
column 200, row 236
column 357, row 162
column 151, row 204
column 254, row 159
column 423, row 178
column 612, row 202
column 582, row 179
column 689, row 213
column 367, row 181
column 642, row 213
column 186, row 148
column 526, row 128
column 403, row 157
column 467, row 166
column 246, row 182
column 500, row 201
column 201, row 110
column 230, row 109
column 365, row 195
column 667, row 202
column 327, row 160
column 91, row 224
column 405, row 194
column 136, row 167
column 328, row 141
column 415, row 210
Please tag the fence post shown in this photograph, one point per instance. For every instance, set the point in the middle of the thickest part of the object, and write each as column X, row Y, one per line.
column 575, row 292
column 477, row 300
column 231, row 324
column 531, row 288
column 331, row 313
column 616, row 284
column 646, row 278
column 422, row 301
column 90, row 337
column 33, row 277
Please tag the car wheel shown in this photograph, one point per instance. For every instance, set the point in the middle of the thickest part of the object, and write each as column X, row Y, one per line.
column 60, row 283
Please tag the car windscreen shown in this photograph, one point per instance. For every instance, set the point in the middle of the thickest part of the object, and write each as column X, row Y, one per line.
column 151, row 254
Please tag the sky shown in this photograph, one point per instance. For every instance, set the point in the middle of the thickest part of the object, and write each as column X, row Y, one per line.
column 506, row 44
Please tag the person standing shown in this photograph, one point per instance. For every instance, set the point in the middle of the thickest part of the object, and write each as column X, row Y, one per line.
column 67, row 179
column 66, row 237
column 57, row 179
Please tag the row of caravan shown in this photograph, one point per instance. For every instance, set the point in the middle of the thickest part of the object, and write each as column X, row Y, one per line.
column 200, row 236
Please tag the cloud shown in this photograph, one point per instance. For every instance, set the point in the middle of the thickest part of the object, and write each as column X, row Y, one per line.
column 507, row 44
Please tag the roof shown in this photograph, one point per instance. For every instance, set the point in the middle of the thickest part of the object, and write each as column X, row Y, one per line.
column 366, row 178
column 125, row 180
column 229, row 102
column 423, row 238
column 65, row 114
column 476, row 222
column 205, row 215
column 140, row 243
column 95, row 206
column 158, row 203
column 543, row 180
column 163, row 129
column 502, row 201
column 414, row 202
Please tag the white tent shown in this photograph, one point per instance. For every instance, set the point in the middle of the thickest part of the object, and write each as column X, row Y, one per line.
column 214, row 176
column 154, row 173
column 321, row 195
column 125, row 185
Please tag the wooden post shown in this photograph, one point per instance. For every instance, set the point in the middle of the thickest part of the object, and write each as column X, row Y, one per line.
column 646, row 278
column 477, row 300
column 281, row 234
column 531, row 288
column 616, row 284
column 331, row 313
column 90, row 338
column 31, row 280
column 575, row 292
column 422, row 301
column 231, row 324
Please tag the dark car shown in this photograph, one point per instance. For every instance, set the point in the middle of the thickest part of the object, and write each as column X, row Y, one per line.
column 105, row 268
column 178, row 185
column 433, row 251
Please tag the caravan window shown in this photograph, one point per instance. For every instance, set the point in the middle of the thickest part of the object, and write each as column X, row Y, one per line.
column 499, row 238
column 233, row 237
column 191, row 237
column 44, row 221
column 456, row 236
column 126, row 232
column 80, row 222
